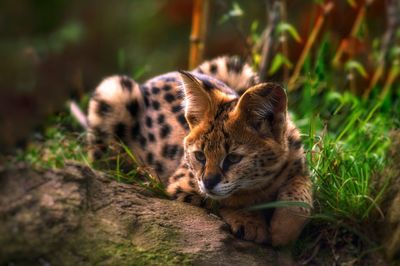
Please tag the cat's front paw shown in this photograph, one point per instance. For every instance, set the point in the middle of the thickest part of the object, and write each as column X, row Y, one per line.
column 249, row 226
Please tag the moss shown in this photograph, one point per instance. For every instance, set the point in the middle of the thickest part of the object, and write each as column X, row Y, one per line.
column 149, row 244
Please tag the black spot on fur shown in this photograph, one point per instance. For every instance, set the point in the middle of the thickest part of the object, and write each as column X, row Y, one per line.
column 270, row 156
column 146, row 101
column 213, row 68
column 176, row 108
column 192, row 119
column 151, row 137
column 155, row 90
column 159, row 167
column 120, row 130
column 178, row 176
column 161, row 119
column 150, row 158
column 191, row 183
column 223, row 109
column 207, row 84
column 165, row 130
column 182, row 120
column 132, row 107
column 135, row 131
column 170, row 151
column 142, row 141
column 103, row 108
column 146, row 91
column 166, row 88
column 170, row 79
column 234, row 64
column 156, row 105
column 149, row 122
column 169, row 97
column 126, row 83
column 191, row 175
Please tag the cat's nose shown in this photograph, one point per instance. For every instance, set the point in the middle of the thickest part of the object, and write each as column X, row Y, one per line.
column 211, row 181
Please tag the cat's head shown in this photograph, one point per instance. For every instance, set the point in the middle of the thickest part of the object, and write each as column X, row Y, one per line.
column 234, row 143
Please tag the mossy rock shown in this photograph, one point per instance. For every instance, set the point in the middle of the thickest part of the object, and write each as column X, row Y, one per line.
column 77, row 216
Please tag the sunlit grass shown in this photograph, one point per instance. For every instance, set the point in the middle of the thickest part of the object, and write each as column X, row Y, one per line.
column 55, row 145
column 135, row 174
column 346, row 142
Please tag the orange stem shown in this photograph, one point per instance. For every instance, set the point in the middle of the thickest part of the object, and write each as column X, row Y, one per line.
column 310, row 41
column 393, row 74
column 356, row 26
column 199, row 32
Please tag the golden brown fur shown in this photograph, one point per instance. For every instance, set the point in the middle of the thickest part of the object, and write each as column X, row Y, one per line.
column 232, row 141
column 256, row 127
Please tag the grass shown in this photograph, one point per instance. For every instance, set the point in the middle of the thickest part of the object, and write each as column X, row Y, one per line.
column 346, row 140
column 57, row 143
column 63, row 140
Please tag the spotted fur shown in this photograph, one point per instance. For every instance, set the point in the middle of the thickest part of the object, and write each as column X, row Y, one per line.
column 214, row 132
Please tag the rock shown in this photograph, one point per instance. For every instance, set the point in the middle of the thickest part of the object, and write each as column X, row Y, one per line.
column 77, row 216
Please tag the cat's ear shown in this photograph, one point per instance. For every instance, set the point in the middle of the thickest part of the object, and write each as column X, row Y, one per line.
column 197, row 99
column 264, row 109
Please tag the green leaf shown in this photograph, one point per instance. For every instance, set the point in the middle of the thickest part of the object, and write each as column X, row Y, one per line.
column 286, row 27
column 277, row 63
column 236, row 11
column 139, row 72
column 280, row 204
column 255, row 36
column 355, row 65
column 394, row 52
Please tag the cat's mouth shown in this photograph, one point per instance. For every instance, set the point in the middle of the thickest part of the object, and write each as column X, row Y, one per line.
column 218, row 192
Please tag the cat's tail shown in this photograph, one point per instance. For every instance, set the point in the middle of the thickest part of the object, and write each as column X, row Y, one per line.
column 231, row 70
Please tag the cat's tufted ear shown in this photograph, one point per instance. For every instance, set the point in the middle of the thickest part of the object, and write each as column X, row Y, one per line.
column 197, row 100
column 264, row 109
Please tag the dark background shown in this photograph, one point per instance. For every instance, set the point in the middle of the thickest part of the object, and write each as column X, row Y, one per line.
column 54, row 50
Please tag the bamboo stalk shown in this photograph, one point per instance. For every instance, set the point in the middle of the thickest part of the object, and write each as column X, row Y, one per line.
column 199, row 32
column 356, row 26
column 310, row 41
column 394, row 72
column 285, row 48
column 393, row 21
column 273, row 19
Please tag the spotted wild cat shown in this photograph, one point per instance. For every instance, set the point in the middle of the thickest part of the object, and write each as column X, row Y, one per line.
column 214, row 132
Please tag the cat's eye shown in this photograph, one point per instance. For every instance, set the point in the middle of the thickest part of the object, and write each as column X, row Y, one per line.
column 200, row 156
column 233, row 158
